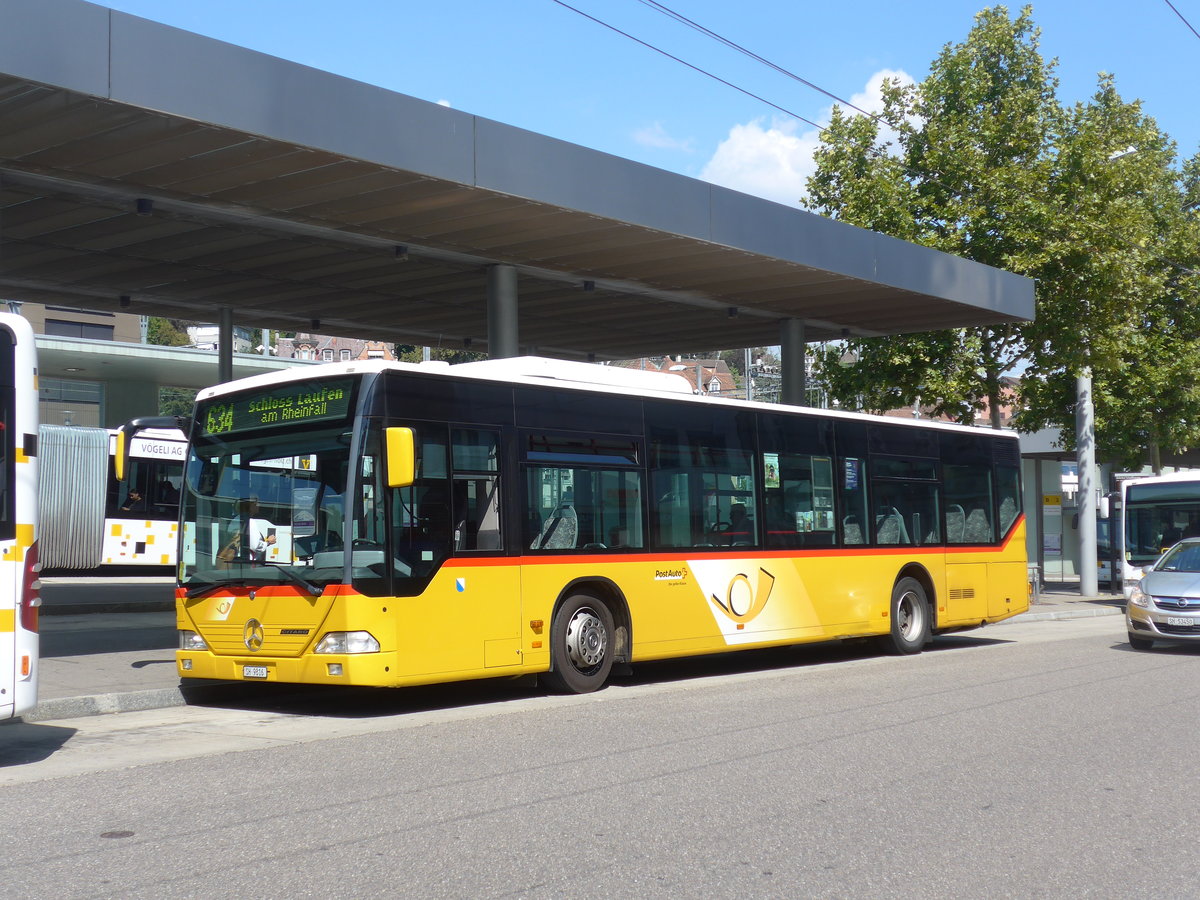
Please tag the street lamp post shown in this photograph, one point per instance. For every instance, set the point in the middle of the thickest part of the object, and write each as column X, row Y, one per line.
column 1085, row 458
column 1085, row 498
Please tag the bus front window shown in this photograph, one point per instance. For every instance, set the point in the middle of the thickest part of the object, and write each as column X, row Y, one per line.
column 263, row 509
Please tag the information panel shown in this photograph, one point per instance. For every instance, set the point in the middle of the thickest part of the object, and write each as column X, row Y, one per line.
column 292, row 404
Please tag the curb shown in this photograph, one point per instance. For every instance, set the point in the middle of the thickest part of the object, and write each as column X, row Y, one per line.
column 104, row 704
column 199, row 694
column 1090, row 613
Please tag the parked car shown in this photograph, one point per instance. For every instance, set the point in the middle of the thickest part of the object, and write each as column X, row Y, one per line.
column 1165, row 605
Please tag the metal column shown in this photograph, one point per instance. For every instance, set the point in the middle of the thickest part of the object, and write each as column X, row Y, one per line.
column 792, row 352
column 225, row 345
column 1085, row 500
column 502, row 312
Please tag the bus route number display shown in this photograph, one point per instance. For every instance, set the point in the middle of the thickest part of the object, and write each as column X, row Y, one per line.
column 290, row 405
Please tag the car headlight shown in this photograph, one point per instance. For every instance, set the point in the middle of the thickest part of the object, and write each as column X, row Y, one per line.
column 1139, row 597
column 190, row 640
column 348, row 642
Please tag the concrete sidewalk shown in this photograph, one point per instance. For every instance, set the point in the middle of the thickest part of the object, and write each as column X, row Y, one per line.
column 113, row 660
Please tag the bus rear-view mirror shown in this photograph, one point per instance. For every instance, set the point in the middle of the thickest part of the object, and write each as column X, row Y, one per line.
column 401, row 457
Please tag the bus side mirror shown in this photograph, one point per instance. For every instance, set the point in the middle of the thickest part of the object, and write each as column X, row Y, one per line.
column 130, row 429
column 401, row 459
column 121, row 451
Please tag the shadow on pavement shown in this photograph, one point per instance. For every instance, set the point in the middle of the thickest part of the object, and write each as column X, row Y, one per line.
column 361, row 702
column 22, row 743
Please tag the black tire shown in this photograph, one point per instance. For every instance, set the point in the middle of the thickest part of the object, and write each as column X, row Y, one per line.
column 1137, row 642
column 581, row 646
column 910, row 619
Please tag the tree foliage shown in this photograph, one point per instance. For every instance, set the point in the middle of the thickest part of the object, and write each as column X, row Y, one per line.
column 414, row 354
column 167, row 332
column 982, row 161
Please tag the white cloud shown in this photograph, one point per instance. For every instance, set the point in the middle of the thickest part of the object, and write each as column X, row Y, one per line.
column 443, row 103
column 656, row 136
column 774, row 161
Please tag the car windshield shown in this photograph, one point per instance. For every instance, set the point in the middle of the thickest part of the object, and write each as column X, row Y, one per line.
column 266, row 508
column 1181, row 558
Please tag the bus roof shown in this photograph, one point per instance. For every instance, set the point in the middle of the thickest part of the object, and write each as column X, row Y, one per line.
column 540, row 371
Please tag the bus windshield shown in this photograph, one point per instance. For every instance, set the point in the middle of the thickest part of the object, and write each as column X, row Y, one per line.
column 262, row 508
column 1157, row 515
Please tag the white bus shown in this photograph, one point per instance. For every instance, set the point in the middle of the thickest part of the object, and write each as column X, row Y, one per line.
column 90, row 521
column 19, row 599
column 1156, row 511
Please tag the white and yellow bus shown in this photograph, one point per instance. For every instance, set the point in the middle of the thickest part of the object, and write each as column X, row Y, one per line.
column 93, row 523
column 19, row 600
column 391, row 524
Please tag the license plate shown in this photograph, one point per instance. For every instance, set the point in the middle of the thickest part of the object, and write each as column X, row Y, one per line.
column 1177, row 620
column 254, row 671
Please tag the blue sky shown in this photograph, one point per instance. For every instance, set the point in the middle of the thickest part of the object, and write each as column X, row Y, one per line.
column 540, row 66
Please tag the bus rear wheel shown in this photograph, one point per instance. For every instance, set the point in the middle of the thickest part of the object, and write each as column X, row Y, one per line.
column 581, row 646
column 910, row 619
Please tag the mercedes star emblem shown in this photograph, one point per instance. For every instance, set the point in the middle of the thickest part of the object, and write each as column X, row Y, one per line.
column 252, row 635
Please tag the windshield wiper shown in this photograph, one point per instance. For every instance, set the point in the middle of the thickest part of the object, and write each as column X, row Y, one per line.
column 199, row 589
column 207, row 587
column 315, row 589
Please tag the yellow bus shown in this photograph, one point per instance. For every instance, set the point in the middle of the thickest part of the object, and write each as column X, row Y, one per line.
column 19, row 599
column 378, row 523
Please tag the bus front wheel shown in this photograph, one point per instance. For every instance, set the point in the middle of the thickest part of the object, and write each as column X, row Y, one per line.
column 581, row 646
column 910, row 618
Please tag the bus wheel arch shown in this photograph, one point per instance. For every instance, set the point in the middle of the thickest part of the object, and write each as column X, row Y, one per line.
column 910, row 616
column 589, row 631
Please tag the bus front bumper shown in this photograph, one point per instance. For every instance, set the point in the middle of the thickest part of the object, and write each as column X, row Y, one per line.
column 368, row 669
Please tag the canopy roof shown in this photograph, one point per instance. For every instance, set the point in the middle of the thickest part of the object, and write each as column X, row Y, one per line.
column 184, row 174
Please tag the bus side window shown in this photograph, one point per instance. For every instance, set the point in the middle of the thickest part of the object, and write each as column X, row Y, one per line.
column 475, row 502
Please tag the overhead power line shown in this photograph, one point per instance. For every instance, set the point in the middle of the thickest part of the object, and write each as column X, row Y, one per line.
column 679, row 17
column 694, row 68
column 1181, row 18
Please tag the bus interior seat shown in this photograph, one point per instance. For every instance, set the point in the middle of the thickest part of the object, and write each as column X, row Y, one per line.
column 977, row 530
column 956, row 523
column 1008, row 510
column 890, row 529
column 852, row 530
column 560, row 531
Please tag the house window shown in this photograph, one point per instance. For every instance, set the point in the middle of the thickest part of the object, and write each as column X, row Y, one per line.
column 345, row 355
column 327, row 355
column 374, row 354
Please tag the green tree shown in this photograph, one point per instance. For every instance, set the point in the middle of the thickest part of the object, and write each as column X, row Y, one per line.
column 957, row 163
column 981, row 160
column 175, row 401
column 1119, row 292
column 414, row 354
column 167, row 332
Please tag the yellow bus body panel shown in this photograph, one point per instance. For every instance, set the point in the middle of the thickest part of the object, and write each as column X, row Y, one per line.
column 492, row 617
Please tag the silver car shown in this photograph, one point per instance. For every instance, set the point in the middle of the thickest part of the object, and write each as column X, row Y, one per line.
column 1165, row 605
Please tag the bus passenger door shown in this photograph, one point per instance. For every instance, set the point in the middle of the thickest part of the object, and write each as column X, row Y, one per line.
column 462, row 607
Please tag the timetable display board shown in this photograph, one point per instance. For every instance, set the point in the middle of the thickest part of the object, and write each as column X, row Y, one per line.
column 302, row 403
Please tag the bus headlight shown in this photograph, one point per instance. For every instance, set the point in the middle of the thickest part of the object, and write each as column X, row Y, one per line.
column 190, row 640
column 348, row 642
column 1139, row 597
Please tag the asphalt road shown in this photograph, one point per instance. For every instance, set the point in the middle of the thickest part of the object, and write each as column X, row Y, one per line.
column 1037, row 759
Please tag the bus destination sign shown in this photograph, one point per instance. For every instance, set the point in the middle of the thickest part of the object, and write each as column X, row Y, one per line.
column 293, row 404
